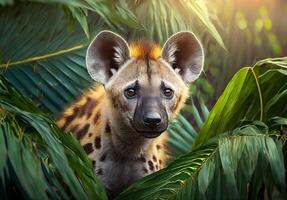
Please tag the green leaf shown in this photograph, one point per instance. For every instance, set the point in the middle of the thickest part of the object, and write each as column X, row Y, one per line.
column 214, row 170
column 6, row 2
column 182, row 134
column 200, row 10
column 250, row 95
column 206, row 175
column 81, row 16
column 45, row 58
column 38, row 159
column 163, row 18
column 46, row 65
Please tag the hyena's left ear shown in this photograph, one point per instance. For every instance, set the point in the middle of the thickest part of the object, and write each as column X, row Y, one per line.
column 105, row 55
column 184, row 53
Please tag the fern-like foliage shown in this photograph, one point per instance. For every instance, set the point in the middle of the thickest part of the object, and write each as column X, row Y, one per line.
column 234, row 165
column 182, row 133
column 43, row 43
column 38, row 160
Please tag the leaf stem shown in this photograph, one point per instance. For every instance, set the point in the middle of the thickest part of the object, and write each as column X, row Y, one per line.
column 43, row 57
column 260, row 94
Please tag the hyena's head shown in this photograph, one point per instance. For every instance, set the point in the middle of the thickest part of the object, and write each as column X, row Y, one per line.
column 146, row 85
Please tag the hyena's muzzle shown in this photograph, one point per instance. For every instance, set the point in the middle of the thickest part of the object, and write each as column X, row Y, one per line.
column 150, row 117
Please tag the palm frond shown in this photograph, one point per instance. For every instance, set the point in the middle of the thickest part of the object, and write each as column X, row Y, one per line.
column 227, row 167
column 163, row 18
column 42, row 49
column 182, row 133
column 113, row 13
column 38, row 160
column 47, row 64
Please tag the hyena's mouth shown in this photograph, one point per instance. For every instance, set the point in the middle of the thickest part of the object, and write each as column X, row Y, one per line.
column 150, row 134
column 147, row 132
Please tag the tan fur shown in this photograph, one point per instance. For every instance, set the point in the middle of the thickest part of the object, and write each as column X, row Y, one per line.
column 97, row 94
column 119, row 154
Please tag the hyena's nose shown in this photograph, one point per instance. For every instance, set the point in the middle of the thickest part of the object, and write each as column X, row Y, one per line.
column 152, row 119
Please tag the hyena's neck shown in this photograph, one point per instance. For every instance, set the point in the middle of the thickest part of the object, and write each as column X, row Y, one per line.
column 122, row 140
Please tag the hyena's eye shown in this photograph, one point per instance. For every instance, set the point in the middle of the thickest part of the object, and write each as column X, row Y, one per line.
column 130, row 93
column 168, row 93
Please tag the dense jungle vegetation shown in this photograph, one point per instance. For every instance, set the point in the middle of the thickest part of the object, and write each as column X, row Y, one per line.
column 229, row 142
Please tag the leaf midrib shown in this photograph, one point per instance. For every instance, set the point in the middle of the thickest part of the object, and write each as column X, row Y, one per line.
column 42, row 57
column 207, row 159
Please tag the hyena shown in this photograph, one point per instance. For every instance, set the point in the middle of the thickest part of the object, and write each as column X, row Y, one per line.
column 121, row 123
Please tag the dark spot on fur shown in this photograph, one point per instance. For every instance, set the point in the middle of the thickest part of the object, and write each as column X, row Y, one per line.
column 100, row 171
column 97, row 117
column 83, row 131
column 69, row 118
column 142, row 158
column 84, row 107
column 108, row 128
column 94, row 163
column 89, row 108
column 154, row 158
column 88, row 148
column 158, row 147
column 90, row 134
column 151, row 166
column 74, row 128
column 156, row 166
column 98, row 142
column 145, row 170
column 103, row 157
column 160, row 162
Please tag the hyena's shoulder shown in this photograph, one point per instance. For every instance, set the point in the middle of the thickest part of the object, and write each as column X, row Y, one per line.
column 85, row 117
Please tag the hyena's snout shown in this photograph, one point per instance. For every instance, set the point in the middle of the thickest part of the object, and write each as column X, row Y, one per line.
column 150, row 117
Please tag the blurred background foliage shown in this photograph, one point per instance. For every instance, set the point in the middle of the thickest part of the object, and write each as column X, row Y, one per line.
column 251, row 30
column 42, row 55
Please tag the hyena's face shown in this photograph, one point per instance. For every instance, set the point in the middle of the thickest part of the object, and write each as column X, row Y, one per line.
column 147, row 86
column 147, row 93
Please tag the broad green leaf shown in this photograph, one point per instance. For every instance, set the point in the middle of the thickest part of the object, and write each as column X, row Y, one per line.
column 250, row 95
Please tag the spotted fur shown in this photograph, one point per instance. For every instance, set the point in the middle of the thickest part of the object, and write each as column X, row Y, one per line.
column 103, row 120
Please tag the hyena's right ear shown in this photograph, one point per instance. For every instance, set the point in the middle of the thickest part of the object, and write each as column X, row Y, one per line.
column 106, row 53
